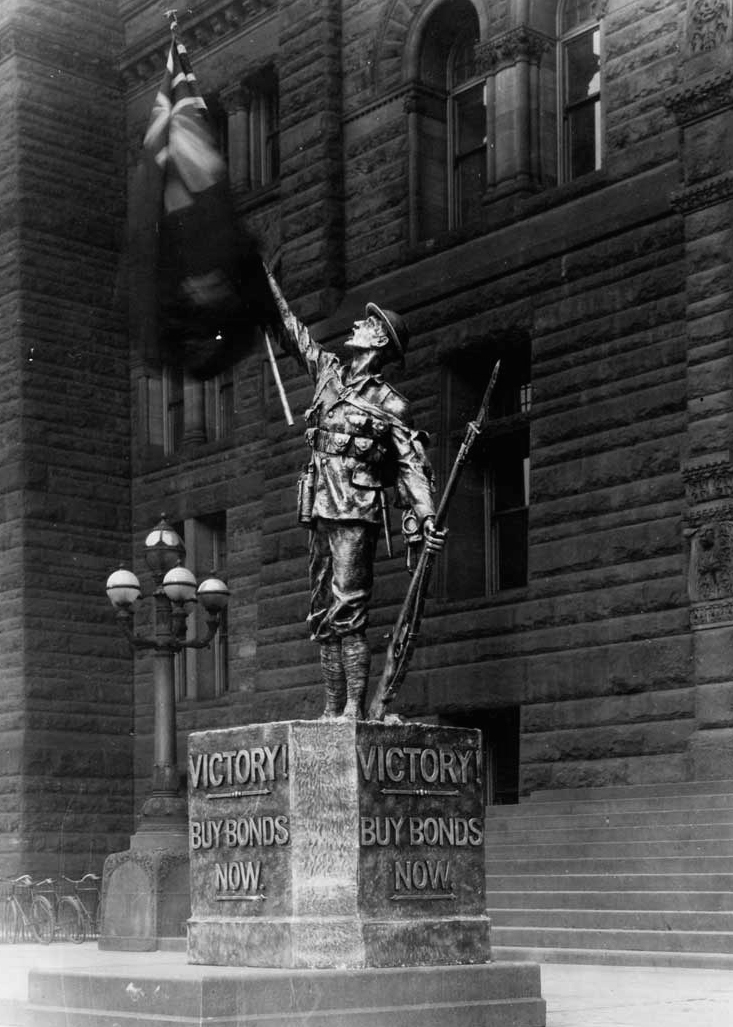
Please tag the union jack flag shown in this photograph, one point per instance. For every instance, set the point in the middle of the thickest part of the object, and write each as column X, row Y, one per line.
column 196, row 275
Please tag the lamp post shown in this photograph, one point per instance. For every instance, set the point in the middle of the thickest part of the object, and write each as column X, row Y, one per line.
column 163, row 830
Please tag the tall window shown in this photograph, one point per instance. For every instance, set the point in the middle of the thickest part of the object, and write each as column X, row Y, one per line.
column 449, row 123
column 467, row 117
column 580, row 86
column 487, row 543
column 203, row 673
column 172, row 410
column 265, row 132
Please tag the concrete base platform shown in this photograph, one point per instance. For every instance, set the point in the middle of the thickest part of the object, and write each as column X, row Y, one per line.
column 490, row 995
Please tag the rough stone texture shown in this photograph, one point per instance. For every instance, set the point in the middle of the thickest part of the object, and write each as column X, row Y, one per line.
column 65, row 439
column 335, row 844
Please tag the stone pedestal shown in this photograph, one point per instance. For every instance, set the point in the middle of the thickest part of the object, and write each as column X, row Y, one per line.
column 146, row 897
column 337, row 844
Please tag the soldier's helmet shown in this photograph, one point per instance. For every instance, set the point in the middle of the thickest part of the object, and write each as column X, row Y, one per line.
column 396, row 328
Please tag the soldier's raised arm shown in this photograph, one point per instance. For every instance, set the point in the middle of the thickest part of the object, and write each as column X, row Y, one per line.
column 294, row 336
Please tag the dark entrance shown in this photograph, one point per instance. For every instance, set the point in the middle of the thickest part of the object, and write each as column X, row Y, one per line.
column 500, row 730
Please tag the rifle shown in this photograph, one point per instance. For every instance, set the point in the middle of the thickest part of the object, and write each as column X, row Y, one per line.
column 407, row 626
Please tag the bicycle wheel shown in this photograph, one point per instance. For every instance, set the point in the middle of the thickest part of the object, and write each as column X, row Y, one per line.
column 71, row 920
column 42, row 920
column 9, row 921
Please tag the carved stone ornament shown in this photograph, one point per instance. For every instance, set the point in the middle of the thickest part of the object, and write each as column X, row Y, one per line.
column 705, row 97
column 708, row 483
column 517, row 44
column 711, row 562
column 708, row 194
column 147, row 60
column 708, row 24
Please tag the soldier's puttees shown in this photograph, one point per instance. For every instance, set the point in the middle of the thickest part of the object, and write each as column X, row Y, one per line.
column 362, row 442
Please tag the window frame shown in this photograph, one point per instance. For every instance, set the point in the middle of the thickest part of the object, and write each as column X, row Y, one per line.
column 456, row 159
column 513, row 421
column 593, row 24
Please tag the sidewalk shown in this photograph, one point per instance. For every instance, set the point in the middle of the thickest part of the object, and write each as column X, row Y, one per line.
column 576, row 996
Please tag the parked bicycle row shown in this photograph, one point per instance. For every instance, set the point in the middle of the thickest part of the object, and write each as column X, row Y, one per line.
column 63, row 909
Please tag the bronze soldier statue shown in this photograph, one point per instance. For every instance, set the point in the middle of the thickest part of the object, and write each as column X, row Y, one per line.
column 362, row 441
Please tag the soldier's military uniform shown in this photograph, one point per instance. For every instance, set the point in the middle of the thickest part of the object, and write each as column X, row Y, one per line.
column 362, row 441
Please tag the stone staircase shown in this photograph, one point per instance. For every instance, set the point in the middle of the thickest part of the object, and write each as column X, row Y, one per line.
column 641, row 876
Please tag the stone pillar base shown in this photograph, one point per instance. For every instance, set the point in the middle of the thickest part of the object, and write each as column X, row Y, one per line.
column 145, row 899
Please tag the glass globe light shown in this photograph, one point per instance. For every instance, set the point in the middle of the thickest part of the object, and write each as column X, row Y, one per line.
column 164, row 548
column 213, row 594
column 179, row 584
column 123, row 588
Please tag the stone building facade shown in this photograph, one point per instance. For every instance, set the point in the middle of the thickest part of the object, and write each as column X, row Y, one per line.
column 546, row 182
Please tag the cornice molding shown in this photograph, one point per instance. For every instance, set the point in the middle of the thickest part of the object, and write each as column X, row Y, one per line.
column 708, row 194
column 701, row 99
column 709, row 482
column 218, row 22
column 522, row 43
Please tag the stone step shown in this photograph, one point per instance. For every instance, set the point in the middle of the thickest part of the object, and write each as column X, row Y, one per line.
column 615, row 957
column 612, row 920
column 648, row 941
column 574, row 848
column 679, row 901
column 674, row 788
column 650, row 822
column 530, row 881
column 607, row 804
column 180, row 995
column 696, row 865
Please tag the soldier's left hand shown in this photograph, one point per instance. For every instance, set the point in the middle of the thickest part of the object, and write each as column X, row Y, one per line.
column 434, row 539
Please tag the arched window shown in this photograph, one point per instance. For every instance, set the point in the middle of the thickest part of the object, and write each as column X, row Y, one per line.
column 449, row 128
column 579, row 35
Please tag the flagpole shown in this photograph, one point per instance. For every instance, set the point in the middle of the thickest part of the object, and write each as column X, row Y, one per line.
column 278, row 380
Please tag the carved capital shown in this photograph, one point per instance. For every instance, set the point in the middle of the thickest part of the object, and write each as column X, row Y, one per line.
column 236, row 98
column 708, row 25
column 521, row 43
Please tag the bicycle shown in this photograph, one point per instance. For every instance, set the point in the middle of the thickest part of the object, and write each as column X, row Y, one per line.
column 24, row 914
column 77, row 914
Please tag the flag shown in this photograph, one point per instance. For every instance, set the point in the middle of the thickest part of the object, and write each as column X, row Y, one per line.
column 197, row 283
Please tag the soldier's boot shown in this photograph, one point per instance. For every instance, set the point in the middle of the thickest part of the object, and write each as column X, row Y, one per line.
column 334, row 679
column 356, row 658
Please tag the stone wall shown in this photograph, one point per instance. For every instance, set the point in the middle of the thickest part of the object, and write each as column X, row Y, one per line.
column 66, row 503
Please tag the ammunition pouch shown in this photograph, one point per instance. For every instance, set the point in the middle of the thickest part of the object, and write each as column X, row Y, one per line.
column 306, row 494
column 339, row 443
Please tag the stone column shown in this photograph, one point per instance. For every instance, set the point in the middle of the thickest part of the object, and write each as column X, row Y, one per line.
column 194, row 411
column 511, row 62
column 236, row 100
column 703, row 107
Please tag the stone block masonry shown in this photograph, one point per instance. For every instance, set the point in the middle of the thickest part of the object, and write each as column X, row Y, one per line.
column 66, row 459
